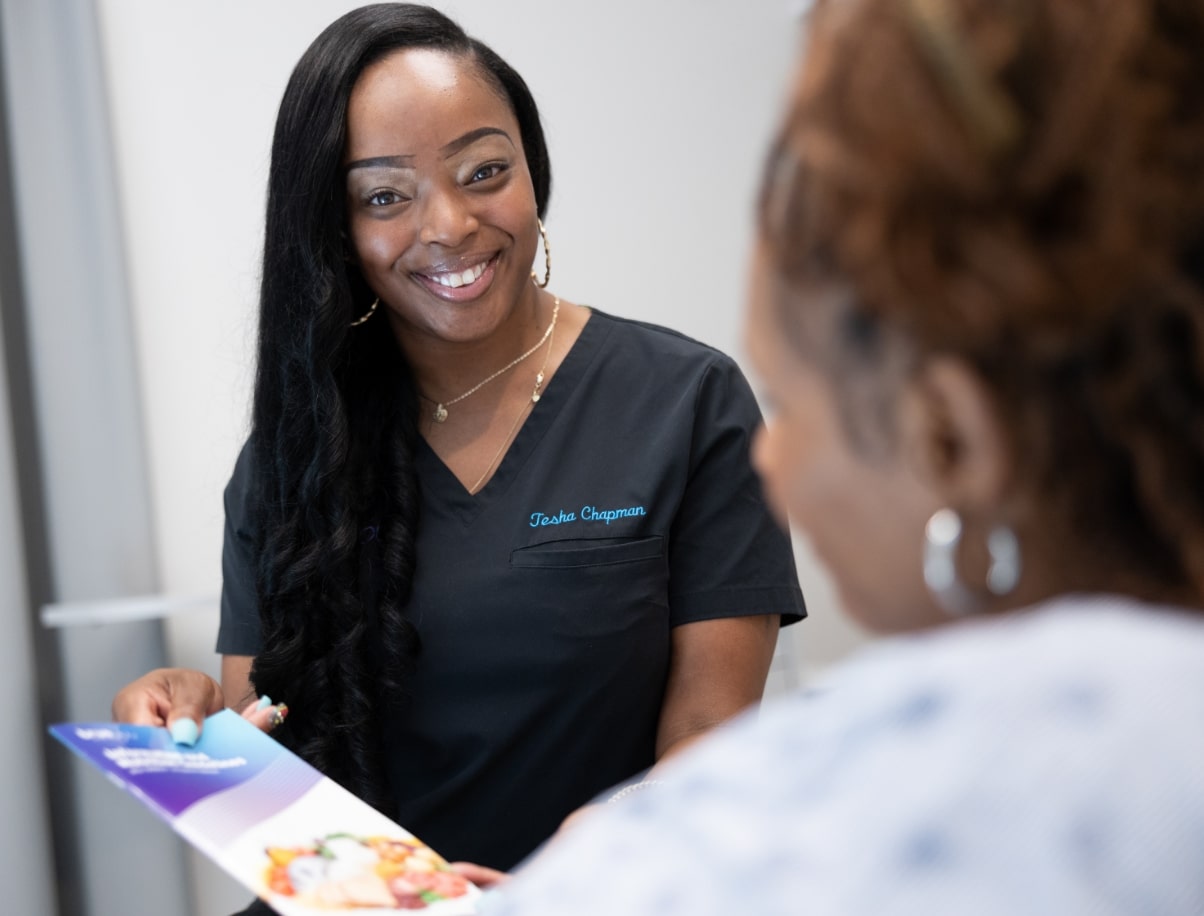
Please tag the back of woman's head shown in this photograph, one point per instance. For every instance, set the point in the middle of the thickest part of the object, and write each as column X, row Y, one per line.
column 1017, row 183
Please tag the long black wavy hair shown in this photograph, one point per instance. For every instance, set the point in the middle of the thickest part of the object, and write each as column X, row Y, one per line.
column 334, row 422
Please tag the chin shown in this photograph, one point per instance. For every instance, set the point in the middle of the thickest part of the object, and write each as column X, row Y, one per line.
column 872, row 612
column 865, row 619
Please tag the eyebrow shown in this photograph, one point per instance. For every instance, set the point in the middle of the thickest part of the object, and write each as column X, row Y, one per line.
column 449, row 149
column 472, row 137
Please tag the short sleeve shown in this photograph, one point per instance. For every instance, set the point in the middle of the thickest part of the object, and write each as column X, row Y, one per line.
column 728, row 556
column 238, row 632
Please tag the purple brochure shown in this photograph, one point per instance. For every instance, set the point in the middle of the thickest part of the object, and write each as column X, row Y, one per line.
column 294, row 837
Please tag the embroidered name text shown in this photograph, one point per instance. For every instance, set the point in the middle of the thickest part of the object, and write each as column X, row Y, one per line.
column 587, row 514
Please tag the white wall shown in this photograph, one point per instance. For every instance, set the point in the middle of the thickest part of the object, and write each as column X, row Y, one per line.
column 657, row 115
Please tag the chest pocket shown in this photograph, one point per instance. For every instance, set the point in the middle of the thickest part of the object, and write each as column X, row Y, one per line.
column 598, row 588
column 581, row 552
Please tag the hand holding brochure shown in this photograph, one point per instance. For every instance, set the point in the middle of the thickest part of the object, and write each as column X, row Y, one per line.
column 294, row 837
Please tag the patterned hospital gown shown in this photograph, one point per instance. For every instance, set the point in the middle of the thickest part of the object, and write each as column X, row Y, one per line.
column 1048, row 762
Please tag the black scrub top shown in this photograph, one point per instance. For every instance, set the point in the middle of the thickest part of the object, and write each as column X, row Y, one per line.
column 625, row 506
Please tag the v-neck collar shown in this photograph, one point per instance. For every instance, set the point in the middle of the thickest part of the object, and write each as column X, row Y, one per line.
column 441, row 488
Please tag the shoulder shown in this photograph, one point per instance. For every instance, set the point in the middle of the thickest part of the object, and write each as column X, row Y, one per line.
column 640, row 338
column 242, row 476
column 660, row 361
column 962, row 770
column 1048, row 641
column 1095, row 658
column 239, row 493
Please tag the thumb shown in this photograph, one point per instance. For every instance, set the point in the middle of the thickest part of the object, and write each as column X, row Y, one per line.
column 177, row 698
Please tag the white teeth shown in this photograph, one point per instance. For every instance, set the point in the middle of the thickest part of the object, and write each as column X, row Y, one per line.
column 455, row 281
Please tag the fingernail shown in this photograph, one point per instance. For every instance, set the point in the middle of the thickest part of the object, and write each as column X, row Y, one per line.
column 278, row 715
column 264, row 702
column 184, row 731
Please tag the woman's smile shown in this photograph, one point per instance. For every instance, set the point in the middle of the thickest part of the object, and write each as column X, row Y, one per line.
column 456, row 283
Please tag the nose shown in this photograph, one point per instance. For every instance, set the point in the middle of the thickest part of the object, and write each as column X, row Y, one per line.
column 447, row 218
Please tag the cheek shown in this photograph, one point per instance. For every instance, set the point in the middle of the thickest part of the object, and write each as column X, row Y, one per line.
column 864, row 519
column 832, row 495
column 515, row 214
column 377, row 244
column 817, row 480
column 518, row 202
column 796, row 463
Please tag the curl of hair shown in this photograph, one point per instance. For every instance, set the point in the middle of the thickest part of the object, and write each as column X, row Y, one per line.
column 1018, row 183
column 334, row 421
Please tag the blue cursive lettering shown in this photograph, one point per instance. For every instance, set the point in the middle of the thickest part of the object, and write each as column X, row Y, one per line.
column 538, row 519
column 592, row 514
column 587, row 514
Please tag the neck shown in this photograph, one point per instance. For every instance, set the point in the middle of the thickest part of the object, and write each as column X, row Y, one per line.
column 1060, row 559
column 446, row 362
column 1090, row 575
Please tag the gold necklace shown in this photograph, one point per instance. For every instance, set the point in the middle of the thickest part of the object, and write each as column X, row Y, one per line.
column 548, row 336
column 439, row 415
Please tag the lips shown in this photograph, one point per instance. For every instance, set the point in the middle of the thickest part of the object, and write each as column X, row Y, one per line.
column 457, row 282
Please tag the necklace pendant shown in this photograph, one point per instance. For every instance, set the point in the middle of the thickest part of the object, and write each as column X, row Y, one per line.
column 440, row 413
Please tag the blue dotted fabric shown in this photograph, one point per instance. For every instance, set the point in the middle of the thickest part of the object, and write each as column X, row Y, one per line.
column 1047, row 762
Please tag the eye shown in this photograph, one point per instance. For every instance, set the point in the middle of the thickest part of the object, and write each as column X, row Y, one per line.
column 383, row 197
column 485, row 172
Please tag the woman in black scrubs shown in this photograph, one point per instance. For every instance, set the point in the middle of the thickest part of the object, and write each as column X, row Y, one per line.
column 498, row 551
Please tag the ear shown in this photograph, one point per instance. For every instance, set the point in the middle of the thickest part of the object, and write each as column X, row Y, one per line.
column 954, row 436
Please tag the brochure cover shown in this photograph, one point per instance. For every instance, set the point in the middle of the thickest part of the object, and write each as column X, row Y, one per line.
column 294, row 837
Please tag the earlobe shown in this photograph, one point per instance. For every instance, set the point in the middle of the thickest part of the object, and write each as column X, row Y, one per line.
column 955, row 436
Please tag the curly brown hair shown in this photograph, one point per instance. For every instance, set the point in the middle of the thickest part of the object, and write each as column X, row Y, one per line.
column 1020, row 183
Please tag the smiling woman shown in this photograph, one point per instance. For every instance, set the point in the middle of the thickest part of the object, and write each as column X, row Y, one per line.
column 443, row 224
column 420, row 398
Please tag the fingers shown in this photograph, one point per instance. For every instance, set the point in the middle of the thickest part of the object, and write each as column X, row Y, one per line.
column 194, row 696
column 145, row 701
column 180, row 699
column 264, row 714
column 480, row 875
column 177, row 698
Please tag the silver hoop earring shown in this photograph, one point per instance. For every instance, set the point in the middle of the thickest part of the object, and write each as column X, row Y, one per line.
column 942, row 536
column 547, row 257
column 368, row 314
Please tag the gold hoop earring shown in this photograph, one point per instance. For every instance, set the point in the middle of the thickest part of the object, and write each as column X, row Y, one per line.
column 547, row 257
column 368, row 314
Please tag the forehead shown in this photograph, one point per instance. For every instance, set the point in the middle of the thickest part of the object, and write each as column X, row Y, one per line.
column 422, row 97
